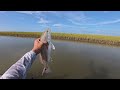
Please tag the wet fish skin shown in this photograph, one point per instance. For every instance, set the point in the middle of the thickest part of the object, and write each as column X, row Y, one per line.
column 45, row 54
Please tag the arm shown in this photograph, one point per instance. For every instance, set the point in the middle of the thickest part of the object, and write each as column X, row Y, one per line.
column 20, row 68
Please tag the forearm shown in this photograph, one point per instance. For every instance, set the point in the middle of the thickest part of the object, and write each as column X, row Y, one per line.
column 20, row 68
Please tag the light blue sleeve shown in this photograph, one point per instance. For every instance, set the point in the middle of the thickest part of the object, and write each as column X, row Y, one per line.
column 20, row 68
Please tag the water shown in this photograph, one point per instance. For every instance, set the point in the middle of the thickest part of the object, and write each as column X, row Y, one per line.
column 71, row 60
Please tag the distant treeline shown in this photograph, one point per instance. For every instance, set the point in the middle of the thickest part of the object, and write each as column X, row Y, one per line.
column 99, row 39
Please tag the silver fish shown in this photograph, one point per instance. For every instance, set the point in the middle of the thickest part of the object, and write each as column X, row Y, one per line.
column 45, row 54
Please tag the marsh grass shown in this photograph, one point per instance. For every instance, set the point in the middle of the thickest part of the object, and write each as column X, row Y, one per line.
column 99, row 39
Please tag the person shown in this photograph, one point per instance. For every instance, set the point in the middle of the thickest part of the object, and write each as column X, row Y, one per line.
column 20, row 68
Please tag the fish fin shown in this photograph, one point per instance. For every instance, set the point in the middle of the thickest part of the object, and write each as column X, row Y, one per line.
column 46, row 70
column 53, row 47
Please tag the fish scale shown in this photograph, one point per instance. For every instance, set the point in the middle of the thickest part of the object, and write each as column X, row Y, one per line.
column 45, row 54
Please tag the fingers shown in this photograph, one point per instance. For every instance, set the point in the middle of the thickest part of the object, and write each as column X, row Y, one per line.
column 42, row 41
column 38, row 39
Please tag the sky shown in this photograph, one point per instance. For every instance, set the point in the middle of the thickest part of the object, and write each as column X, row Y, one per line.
column 80, row 22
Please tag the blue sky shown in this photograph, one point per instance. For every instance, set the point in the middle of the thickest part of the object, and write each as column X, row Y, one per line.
column 85, row 22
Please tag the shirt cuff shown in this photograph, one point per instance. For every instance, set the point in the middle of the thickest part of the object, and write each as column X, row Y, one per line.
column 33, row 53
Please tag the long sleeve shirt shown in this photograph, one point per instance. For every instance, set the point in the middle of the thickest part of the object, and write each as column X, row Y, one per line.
column 20, row 68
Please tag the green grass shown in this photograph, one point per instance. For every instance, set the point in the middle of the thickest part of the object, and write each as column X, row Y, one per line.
column 101, row 39
column 88, row 36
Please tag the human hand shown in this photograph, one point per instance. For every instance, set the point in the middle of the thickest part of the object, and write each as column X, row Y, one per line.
column 37, row 46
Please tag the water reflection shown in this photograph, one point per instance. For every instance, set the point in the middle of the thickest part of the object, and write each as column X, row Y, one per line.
column 97, row 72
column 71, row 60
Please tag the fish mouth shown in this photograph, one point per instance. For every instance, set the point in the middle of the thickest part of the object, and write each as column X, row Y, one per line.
column 48, row 30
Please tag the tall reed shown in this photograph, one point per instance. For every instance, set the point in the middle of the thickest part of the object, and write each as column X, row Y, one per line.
column 100, row 39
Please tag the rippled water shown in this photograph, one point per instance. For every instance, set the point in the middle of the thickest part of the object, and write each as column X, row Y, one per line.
column 71, row 60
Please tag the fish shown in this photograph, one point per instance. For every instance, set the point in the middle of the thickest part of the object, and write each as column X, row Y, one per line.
column 46, row 49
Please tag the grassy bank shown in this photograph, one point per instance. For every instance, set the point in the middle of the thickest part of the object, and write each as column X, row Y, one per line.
column 99, row 39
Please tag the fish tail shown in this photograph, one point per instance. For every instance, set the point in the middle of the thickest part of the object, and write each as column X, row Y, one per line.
column 46, row 70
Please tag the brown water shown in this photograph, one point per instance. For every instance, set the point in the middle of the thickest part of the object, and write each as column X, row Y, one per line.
column 71, row 60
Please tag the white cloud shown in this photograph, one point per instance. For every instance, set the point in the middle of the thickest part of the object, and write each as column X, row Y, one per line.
column 69, row 26
column 106, row 22
column 38, row 14
column 26, row 12
column 61, row 25
column 79, row 18
column 110, row 22
column 2, row 11
column 99, row 23
column 75, row 17
column 34, row 12
column 57, row 25
column 106, row 11
column 43, row 21
column 70, row 16
column 74, row 22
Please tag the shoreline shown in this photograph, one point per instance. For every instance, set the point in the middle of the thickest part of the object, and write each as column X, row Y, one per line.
column 96, row 39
